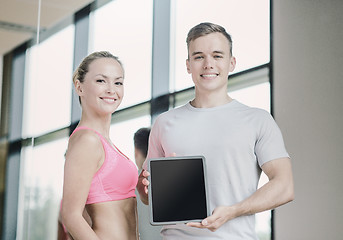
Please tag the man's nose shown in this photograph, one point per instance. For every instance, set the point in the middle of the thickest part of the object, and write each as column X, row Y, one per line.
column 208, row 63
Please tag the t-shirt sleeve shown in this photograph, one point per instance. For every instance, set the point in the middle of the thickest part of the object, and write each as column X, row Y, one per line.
column 269, row 144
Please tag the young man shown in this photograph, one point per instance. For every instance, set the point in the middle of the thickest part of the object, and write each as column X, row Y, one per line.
column 236, row 140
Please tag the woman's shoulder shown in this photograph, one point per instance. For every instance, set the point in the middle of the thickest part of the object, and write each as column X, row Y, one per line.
column 87, row 136
column 85, row 140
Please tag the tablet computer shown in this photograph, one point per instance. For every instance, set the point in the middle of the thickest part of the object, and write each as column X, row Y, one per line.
column 177, row 190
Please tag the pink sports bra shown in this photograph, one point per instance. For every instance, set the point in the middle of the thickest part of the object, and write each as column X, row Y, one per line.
column 117, row 177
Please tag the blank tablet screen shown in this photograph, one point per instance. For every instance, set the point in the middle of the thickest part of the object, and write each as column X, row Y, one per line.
column 177, row 190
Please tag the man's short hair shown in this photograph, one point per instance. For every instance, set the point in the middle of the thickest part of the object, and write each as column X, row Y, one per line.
column 205, row 28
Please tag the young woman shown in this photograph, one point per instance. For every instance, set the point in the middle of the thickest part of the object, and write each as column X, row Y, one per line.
column 97, row 175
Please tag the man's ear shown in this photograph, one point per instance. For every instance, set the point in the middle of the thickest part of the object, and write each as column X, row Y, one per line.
column 188, row 67
column 232, row 64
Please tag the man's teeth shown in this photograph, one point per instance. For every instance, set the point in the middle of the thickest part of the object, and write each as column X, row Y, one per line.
column 209, row 75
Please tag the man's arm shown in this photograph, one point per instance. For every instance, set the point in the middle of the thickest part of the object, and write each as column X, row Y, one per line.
column 142, row 186
column 276, row 192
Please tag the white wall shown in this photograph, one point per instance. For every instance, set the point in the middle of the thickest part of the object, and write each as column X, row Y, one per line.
column 308, row 104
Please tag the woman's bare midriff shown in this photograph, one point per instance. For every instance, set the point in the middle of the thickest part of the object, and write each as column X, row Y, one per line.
column 115, row 220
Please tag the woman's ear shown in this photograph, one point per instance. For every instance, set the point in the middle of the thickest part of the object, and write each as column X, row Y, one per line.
column 78, row 87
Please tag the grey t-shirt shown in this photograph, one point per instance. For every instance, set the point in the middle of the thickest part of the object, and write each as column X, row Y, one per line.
column 236, row 141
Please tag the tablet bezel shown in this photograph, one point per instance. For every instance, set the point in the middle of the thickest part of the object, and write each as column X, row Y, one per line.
column 150, row 189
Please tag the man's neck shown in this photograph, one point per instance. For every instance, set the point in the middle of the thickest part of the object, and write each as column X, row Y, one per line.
column 210, row 101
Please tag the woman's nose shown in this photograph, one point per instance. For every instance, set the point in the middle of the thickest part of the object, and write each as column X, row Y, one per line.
column 111, row 88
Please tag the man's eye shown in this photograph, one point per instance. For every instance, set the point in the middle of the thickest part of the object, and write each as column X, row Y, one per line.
column 218, row 56
column 198, row 57
column 118, row 83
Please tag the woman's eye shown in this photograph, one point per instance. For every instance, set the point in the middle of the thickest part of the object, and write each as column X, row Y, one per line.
column 100, row 80
column 118, row 83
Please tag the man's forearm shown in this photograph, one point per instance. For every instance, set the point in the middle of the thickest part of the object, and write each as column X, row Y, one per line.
column 268, row 197
column 141, row 189
column 278, row 191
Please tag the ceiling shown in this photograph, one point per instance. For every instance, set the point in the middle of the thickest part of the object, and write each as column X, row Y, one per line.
column 19, row 19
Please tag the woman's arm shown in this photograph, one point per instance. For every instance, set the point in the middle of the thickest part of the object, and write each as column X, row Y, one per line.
column 84, row 157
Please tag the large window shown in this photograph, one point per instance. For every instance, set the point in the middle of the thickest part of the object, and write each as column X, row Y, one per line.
column 122, row 134
column 41, row 190
column 48, row 84
column 124, row 27
column 246, row 21
column 47, row 108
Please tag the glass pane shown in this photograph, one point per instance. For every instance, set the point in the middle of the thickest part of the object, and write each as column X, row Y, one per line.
column 124, row 27
column 254, row 96
column 246, row 21
column 47, row 104
column 258, row 96
column 122, row 134
column 41, row 190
